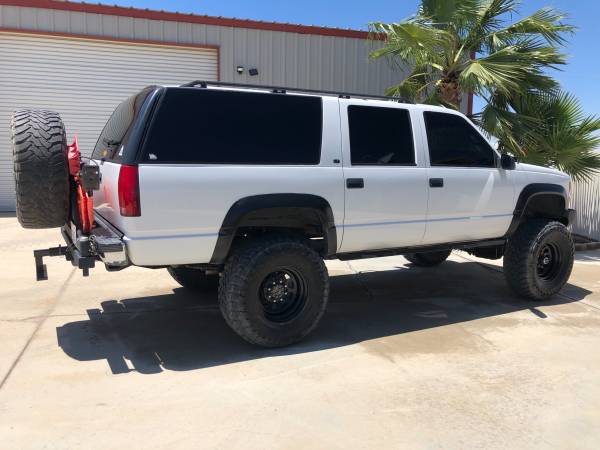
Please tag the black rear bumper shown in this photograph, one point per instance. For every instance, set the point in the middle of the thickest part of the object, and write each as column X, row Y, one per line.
column 105, row 243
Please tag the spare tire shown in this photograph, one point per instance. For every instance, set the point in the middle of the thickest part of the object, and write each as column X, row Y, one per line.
column 41, row 168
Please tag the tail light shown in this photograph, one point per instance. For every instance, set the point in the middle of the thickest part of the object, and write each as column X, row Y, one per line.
column 129, row 191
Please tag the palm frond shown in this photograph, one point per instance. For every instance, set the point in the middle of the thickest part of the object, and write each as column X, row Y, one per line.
column 411, row 41
column 488, row 18
column 416, row 86
column 546, row 23
column 513, row 69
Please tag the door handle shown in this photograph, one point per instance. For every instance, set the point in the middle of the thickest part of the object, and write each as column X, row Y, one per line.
column 355, row 183
column 436, row 182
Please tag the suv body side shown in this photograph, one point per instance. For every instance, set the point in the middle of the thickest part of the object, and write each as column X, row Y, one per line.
column 386, row 202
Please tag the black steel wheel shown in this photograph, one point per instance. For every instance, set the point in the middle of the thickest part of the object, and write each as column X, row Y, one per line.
column 283, row 295
column 539, row 258
column 274, row 290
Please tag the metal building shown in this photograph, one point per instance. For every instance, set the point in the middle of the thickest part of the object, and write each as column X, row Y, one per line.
column 83, row 59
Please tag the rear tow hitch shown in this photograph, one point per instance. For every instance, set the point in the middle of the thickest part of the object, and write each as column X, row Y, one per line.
column 80, row 254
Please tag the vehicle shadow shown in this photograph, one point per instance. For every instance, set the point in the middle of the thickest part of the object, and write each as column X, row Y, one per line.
column 184, row 331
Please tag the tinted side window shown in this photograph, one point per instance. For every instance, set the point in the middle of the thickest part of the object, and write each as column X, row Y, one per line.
column 224, row 127
column 118, row 126
column 454, row 142
column 380, row 136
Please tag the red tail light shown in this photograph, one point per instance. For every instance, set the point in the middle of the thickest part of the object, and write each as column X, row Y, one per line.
column 129, row 191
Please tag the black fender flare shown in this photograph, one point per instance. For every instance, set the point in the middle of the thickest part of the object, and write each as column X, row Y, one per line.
column 243, row 207
column 529, row 193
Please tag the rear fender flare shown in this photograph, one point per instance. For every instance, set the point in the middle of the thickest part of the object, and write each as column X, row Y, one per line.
column 265, row 210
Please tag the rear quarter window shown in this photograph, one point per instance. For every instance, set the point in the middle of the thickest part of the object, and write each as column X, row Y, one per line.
column 206, row 126
column 117, row 128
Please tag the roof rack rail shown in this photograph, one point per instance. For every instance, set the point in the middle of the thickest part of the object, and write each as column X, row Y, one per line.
column 284, row 90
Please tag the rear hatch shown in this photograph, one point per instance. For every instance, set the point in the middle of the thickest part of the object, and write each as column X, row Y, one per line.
column 116, row 153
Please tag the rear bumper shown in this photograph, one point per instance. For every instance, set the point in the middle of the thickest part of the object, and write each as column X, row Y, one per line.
column 104, row 243
column 108, row 244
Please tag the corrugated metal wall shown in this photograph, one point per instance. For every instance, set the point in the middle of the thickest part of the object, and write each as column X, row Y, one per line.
column 287, row 59
column 38, row 72
column 586, row 201
column 282, row 58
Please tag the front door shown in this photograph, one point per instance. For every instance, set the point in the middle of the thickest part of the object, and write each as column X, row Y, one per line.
column 470, row 196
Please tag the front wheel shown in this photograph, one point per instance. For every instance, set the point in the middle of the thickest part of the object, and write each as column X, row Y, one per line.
column 274, row 291
column 538, row 259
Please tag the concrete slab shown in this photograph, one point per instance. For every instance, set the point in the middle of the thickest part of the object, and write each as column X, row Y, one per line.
column 405, row 357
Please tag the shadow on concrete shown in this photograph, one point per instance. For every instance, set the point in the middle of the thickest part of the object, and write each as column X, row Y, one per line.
column 184, row 331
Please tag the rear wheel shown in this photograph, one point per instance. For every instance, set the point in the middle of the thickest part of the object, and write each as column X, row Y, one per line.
column 41, row 168
column 539, row 258
column 274, row 291
column 428, row 259
column 194, row 279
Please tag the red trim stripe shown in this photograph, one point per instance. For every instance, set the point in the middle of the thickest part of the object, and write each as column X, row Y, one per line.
column 187, row 18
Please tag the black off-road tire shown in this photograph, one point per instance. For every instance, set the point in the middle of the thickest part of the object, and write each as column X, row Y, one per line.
column 428, row 259
column 247, row 275
column 525, row 255
column 194, row 279
column 41, row 168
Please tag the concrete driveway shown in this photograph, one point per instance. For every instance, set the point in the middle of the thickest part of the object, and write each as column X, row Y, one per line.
column 404, row 358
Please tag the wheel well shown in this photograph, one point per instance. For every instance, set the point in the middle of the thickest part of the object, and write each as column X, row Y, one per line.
column 540, row 200
column 306, row 222
column 301, row 214
column 546, row 205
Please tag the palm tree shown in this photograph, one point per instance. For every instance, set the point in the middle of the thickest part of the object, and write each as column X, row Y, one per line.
column 441, row 41
column 459, row 46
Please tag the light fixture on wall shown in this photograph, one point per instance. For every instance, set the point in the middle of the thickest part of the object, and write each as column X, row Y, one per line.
column 240, row 70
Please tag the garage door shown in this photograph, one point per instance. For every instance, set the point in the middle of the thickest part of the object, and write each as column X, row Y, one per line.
column 83, row 80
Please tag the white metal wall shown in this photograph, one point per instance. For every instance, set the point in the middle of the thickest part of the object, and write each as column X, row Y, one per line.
column 83, row 80
column 282, row 58
column 586, row 201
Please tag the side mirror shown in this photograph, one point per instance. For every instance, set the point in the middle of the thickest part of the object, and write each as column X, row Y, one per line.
column 508, row 162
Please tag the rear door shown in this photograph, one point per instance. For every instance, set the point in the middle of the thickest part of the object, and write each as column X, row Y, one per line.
column 470, row 196
column 385, row 176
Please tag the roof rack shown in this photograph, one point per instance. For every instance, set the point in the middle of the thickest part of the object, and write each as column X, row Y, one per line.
column 284, row 90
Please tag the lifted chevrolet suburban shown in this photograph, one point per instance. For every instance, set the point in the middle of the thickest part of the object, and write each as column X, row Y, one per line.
column 247, row 190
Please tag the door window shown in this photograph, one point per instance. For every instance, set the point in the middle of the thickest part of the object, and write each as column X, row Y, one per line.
column 454, row 142
column 380, row 136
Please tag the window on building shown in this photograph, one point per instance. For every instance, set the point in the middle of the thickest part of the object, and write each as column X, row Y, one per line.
column 380, row 136
column 454, row 142
column 209, row 126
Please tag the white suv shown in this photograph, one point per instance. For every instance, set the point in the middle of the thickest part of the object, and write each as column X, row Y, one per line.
column 250, row 188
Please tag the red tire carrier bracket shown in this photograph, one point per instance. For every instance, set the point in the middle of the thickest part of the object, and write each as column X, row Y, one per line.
column 85, row 203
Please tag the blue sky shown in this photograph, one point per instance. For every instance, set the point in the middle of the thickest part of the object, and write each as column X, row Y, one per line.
column 581, row 76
